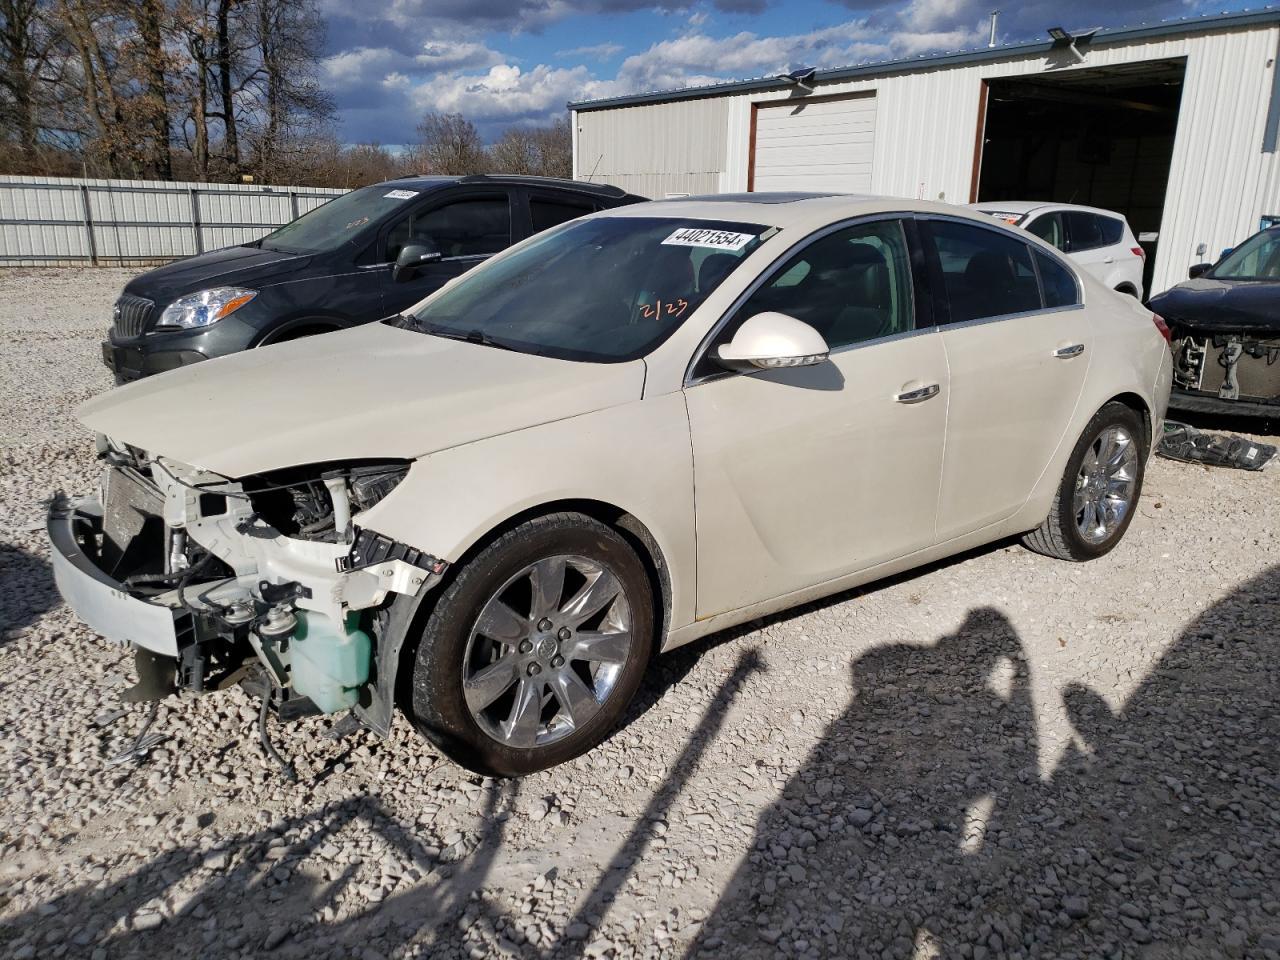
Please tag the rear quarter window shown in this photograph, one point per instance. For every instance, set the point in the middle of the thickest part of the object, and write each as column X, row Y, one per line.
column 1112, row 230
column 1084, row 231
column 1059, row 284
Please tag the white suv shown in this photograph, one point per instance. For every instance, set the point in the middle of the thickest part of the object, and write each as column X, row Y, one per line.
column 1099, row 240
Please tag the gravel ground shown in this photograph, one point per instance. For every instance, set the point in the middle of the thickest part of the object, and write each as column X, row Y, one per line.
column 998, row 756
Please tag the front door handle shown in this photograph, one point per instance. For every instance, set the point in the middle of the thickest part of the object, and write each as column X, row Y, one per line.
column 1069, row 350
column 919, row 393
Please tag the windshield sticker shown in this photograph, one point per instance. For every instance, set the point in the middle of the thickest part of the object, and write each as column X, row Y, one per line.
column 702, row 237
column 660, row 308
column 400, row 195
column 356, row 223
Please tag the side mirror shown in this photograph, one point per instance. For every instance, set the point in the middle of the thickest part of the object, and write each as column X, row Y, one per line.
column 1199, row 270
column 771, row 340
column 412, row 256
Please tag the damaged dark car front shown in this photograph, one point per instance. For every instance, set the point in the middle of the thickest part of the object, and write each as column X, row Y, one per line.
column 1225, row 323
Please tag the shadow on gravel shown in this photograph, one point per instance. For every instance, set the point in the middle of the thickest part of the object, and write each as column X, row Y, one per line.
column 26, row 589
column 920, row 827
column 253, row 898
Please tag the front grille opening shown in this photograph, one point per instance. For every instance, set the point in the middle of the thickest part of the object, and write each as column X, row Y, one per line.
column 132, row 315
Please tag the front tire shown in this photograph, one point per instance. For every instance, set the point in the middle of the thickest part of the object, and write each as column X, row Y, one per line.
column 534, row 650
column 1099, row 491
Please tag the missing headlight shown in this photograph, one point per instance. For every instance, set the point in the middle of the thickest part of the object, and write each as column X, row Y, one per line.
column 297, row 502
column 370, row 484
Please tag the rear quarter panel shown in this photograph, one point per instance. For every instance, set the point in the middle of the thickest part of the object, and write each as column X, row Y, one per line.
column 1129, row 357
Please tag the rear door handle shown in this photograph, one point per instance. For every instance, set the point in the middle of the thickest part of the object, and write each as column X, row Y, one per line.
column 919, row 393
column 1069, row 351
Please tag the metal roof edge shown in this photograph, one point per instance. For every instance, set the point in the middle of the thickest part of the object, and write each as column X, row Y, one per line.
column 1163, row 28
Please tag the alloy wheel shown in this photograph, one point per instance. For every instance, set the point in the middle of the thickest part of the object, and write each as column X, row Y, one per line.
column 1105, row 484
column 546, row 651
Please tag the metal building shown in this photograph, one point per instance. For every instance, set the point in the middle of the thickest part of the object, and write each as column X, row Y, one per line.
column 1174, row 124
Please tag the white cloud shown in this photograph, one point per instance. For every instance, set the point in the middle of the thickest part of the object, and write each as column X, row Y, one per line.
column 506, row 92
column 683, row 61
column 599, row 51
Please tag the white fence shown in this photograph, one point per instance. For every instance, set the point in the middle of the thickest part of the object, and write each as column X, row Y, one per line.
column 63, row 221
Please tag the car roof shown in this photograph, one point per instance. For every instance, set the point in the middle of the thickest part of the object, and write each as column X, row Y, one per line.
column 802, row 210
column 1038, row 206
column 424, row 182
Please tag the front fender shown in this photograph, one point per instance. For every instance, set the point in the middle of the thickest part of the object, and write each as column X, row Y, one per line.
column 636, row 457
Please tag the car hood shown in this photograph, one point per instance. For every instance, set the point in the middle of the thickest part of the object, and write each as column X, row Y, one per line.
column 217, row 268
column 370, row 392
column 1227, row 306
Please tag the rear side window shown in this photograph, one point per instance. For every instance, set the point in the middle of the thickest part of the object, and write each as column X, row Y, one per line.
column 1059, row 285
column 547, row 213
column 1112, row 230
column 1084, row 231
column 1048, row 227
column 985, row 273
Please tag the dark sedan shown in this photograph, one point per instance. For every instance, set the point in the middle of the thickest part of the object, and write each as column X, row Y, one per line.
column 362, row 256
column 1225, row 323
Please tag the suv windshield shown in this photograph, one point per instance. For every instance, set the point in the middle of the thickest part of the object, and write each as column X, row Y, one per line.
column 606, row 289
column 1258, row 258
column 332, row 224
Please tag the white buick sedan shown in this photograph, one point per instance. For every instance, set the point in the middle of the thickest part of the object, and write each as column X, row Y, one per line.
column 613, row 438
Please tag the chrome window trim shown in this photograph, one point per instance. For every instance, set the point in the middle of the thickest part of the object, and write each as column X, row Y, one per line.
column 983, row 321
column 773, row 269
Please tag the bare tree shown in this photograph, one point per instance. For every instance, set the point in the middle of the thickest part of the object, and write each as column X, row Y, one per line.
column 450, row 145
column 291, row 102
column 540, row 151
column 151, row 18
column 21, row 59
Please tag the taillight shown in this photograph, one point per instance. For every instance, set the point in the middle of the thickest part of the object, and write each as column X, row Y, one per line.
column 1162, row 327
column 1138, row 252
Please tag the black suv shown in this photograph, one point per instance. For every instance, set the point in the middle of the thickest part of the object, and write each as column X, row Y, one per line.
column 362, row 256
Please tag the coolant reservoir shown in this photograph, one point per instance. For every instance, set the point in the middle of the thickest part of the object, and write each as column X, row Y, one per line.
column 326, row 664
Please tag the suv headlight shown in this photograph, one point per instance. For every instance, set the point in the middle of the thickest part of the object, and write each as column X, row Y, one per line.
column 203, row 308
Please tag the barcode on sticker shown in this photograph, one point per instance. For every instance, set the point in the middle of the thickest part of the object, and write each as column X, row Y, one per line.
column 703, row 237
column 400, row 194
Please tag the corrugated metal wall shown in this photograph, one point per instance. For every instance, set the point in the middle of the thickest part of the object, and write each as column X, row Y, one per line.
column 1220, row 181
column 58, row 221
column 654, row 151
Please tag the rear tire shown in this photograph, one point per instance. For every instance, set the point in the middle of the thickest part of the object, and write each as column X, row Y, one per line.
column 1099, row 492
column 535, row 649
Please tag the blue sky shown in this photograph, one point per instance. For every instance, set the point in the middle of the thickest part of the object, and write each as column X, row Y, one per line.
column 503, row 62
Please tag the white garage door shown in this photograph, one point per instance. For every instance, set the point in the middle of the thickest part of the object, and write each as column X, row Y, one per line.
column 818, row 145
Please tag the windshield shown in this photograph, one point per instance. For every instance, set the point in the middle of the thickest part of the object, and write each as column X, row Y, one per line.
column 606, row 289
column 1258, row 258
column 332, row 224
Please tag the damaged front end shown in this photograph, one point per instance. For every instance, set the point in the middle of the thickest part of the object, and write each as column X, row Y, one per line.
column 1226, row 372
column 264, row 581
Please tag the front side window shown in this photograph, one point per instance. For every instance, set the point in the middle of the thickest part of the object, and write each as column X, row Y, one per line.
column 1048, row 227
column 470, row 227
column 1258, row 258
column 985, row 273
column 607, row 289
column 851, row 286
